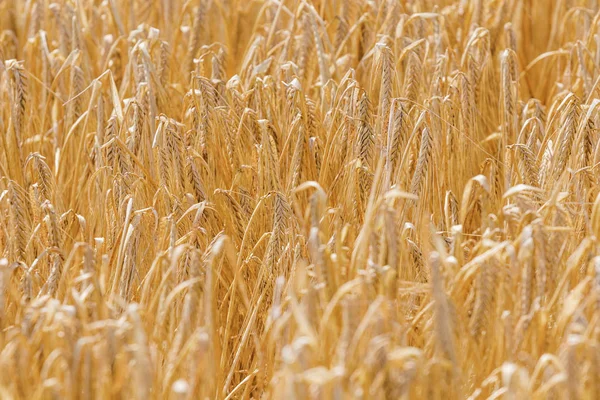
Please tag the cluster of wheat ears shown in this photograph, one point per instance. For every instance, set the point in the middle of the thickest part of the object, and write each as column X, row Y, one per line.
column 327, row 199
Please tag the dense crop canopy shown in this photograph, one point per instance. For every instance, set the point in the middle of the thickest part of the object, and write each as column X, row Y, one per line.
column 299, row 199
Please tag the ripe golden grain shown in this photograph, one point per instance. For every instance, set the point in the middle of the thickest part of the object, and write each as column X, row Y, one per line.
column 299, row 199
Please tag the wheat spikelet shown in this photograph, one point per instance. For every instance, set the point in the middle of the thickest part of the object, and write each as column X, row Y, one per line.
column 197, row 32
column 567, row 137
column 385, row 91
column 296, row 162
column 269, row 171
column 46, row 181
column 546, row 164
column 218, row 66
column 175, row 147
column 365, row 140
column 194, row 179
column 412, row 77
column 585, row 153
column 399, row 131
column 422, row 162
column 19, row 220
column 364, row 149
column 466, row 98
column 54, row 241
column 18, row 96
column 527, row 165
column 239, row 218
column 323, row 68
column 276, row 241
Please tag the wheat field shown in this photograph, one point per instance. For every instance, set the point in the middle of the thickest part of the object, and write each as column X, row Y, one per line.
column 299, row 199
